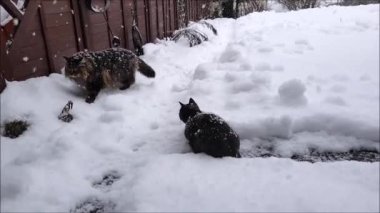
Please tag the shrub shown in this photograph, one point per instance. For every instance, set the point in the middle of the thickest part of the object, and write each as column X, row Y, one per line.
column 195, row 37
column 298, row 4
column 193, row 33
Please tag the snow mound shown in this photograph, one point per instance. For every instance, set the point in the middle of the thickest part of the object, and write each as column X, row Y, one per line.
column 338, row 125
column 292, row 93
column 231, row 54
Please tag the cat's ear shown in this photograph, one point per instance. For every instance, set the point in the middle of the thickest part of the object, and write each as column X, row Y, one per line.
column 181, row 104
column 66, row 58
column 191, row 101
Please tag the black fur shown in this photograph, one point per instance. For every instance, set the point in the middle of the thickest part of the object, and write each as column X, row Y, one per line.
column 208, row 133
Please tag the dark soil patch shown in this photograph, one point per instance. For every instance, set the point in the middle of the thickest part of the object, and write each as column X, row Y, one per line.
column 318, row 156
column 352, row 155
column 13, row 129
column 93, row 205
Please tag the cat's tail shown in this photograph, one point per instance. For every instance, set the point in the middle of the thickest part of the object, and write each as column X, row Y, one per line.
column 145, row 69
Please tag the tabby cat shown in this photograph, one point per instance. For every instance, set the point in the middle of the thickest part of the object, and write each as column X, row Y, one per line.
column 113, row 68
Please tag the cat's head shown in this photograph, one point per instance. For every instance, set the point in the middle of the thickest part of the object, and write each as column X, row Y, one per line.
column 76, row 67
column 188, row 110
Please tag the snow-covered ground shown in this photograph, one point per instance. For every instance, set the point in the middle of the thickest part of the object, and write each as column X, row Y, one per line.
column 295, row 81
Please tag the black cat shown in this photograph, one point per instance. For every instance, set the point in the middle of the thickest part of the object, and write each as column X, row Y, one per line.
column 208, row 133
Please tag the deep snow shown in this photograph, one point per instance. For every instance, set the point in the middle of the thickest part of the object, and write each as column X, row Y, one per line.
column 296, row 80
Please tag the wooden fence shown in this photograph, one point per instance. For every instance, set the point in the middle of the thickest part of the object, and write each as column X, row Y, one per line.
column 51, row 29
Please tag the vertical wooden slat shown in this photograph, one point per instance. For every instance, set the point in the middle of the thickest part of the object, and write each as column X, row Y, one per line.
column 147, row 17
column 124, row 14
column 43, row 30
column 115, row 19
column 160, row 19
column 141, row 19
column 175, row 14
column 172, row 17
column 78, row 31
column 169, row 19
column 129, row 6
column 87, row 39
column 152, row 19
column 165, row 14
column 197, row 10
column 109, row 31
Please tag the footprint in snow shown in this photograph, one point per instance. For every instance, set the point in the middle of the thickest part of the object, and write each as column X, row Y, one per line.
column 107, row 180
column 154, row 126
column 302, row 45
column 335, row 100
column 265, row 49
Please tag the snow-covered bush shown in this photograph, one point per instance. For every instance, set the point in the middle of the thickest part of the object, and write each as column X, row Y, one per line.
column 357, row 2
column 299, row 4
column 195, row 33
column 194, row 37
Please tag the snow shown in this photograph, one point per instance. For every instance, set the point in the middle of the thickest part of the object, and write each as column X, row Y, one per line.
column 293, row 81
column 292, row 93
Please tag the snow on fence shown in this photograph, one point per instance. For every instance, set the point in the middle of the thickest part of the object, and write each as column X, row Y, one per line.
column 34, row 43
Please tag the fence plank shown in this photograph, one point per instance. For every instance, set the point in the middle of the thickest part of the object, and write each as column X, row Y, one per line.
column 128, row 7
column 141, row 19
column 63, row 27
column 160, row 19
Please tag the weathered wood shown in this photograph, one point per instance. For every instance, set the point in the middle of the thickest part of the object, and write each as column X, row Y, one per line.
column 160, row 19
column 50, row 29
column 141, row 19
column 31, row 68
column 85, row 27
column 77, row 23
column 43, row 27
column 115, row 17
column 60, row 38
column 152, row 20
column 128, row 6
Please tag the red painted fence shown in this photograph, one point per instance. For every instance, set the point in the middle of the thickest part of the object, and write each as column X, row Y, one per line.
column 51, row 29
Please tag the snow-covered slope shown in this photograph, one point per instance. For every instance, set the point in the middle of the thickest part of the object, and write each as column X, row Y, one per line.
column 294, row 81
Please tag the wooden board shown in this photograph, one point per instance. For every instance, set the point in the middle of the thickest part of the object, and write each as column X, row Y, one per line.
column 58, row 29
column 128, row 6
column 51, row 29
column 160, row 18
column 152, row 13
column 141, row 20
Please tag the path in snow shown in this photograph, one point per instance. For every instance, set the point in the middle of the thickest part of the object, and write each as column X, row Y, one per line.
column 300, row 84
